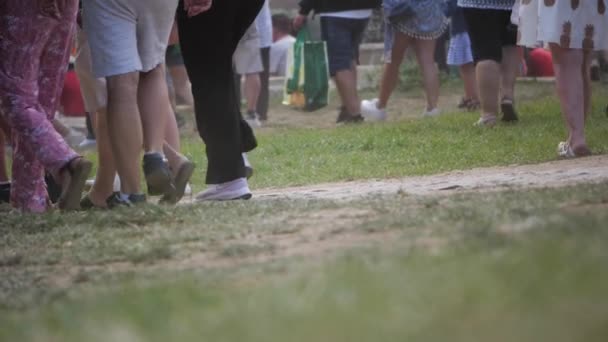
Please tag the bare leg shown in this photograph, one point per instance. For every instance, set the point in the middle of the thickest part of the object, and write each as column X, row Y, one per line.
column 181, row 85
column 62, row 129
column 172, row 145
column 571, row 93
column 124, row 128
column 425, row 52
column 390, row 74
column 586, row 71
column 467, row 73
column 511, row 59
column 106, row 171
column 253, row 86
column 153, row 99
column 488, row 87
column 346, row 83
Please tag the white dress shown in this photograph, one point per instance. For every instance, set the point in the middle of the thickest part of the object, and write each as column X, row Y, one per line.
column 575, row 24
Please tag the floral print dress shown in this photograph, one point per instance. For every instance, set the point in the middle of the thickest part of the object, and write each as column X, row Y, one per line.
column 35, row 37
column 573, row 24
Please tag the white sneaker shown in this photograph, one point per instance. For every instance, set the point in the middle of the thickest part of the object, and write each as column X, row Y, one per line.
column 233, row 190
column 432, row 113
column 371, row 112
column 253, row 120
column 188, row 190
column 87, row 144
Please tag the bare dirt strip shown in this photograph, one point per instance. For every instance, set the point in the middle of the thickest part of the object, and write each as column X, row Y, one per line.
column 551, row 174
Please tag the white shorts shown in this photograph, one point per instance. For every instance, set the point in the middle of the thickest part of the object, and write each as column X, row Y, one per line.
column 94, row 91
column 247, row 58
column 127, row 35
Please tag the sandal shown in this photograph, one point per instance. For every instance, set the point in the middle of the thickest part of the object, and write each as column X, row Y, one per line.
column 180, row 181
column 78, row 170
column 488, row 121
column 564, row 150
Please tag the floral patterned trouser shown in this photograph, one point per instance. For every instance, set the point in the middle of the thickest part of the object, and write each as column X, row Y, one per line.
column 35, row 39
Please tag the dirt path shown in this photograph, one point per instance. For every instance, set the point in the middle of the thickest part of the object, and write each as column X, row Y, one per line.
column 551, row 174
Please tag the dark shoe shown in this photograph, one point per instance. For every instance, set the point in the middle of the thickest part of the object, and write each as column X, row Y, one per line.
column 345, row 118
column 353, row 119
column 508, row 111
column 181, row 181
column 5, row 193
column 158, row 175
column 116, row 200
column 342, row 115
column 248, row 167
column 52, row 188
column 71, row 193
column 86, row 203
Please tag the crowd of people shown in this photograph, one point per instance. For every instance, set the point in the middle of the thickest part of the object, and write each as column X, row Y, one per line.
column 128, row 50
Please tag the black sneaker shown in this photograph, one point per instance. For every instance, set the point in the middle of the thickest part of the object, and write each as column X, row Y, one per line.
column 158, row 175
column 116, row 200
column 345, row 118
column 5, row 193
column 508, row 111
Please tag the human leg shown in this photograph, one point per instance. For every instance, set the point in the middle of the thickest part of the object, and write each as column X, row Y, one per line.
column 30, row 82
column 264, row 97
column 485, row 31
column 217, row 111
column 425, row 52
column 390, row 74
column 467, row 73
column 253, row 86
column 125, row 129
column 570, row 91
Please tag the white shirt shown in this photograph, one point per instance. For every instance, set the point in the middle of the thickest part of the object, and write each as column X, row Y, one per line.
column 263, row 22
column 278, row 55
column 353, row 14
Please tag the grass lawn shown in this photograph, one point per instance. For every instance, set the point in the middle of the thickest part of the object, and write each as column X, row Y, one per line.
column 407, row 145
column 514, row 265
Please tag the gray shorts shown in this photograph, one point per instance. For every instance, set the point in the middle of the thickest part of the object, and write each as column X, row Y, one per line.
column 127, row 35
column 247, row 58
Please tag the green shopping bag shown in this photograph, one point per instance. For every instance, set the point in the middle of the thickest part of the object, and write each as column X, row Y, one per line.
column 307, row 81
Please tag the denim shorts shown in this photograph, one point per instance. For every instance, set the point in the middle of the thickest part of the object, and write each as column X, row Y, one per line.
column 343, row 37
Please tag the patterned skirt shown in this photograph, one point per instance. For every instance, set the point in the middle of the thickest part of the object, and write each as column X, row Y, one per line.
column 575, row 24
column 460, row 52
column 429, row 21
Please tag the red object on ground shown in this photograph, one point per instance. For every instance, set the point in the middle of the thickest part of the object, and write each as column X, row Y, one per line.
column 71, row 97
column 540, row 63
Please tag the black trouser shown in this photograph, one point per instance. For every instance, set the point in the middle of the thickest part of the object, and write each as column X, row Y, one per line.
column 208, row 41
column 264, row 82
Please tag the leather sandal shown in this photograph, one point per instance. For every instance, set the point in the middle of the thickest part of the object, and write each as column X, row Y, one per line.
column 71, row 193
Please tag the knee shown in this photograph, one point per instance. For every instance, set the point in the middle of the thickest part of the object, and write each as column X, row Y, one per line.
column 158, row 71
column 123, row 86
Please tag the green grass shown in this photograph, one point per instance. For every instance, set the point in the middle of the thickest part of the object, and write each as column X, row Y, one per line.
column 292, row 156
column 508, row 266
column 515, row 265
